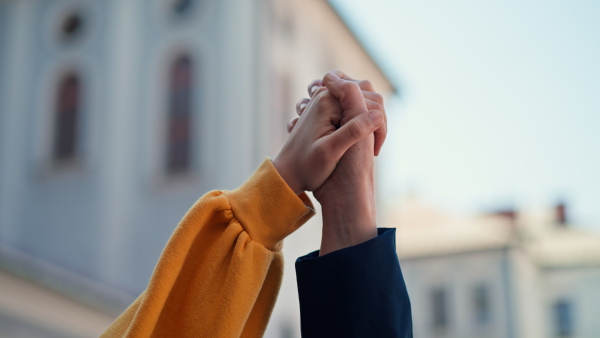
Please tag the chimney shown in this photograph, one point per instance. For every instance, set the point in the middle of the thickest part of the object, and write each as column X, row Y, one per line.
column 510, row 214
column 560, row 212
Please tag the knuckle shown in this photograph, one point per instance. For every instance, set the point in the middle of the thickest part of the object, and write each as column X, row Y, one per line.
column 339, row 73
column 303, row 100
column 349, row 89
column 317, row 92
column 378, row 98
column 355, row 131
column 313, row 82
column 301, row 105
column 351, row 86
column 313, row 86
column 366, row 85
column 376, row 106
column 323, row 98
column 291, row 124
column 330, row 103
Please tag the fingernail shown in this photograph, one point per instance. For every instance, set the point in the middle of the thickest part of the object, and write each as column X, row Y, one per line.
column 302, row 106
column 376, row 117
column 331, row 77
column 313, row 89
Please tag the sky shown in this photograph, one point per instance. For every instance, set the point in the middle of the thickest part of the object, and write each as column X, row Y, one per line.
column 499, row 103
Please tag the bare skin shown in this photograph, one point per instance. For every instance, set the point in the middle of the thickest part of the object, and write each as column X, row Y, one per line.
column 316, row 144
column 348, row 194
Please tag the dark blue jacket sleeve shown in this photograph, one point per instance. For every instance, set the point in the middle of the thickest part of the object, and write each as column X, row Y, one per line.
column 354, row 292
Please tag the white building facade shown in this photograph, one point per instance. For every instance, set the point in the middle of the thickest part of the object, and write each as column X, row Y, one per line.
column 505, row 275
column 115, row 116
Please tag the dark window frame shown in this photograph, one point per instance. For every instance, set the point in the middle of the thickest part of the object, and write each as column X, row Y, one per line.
column 563, row 318
column 67, row 117
column 182, row 7
column 439, row 308
column 482, row 304
column 179, row 143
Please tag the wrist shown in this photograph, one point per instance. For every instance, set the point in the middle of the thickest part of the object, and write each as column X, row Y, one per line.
column 287, row 174
column 348, row 220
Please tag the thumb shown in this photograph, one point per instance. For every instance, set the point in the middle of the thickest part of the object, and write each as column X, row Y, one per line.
column 348, row 93
column 355, row 130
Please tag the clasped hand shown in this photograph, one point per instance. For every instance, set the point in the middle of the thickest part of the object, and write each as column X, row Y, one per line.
column 330, row 152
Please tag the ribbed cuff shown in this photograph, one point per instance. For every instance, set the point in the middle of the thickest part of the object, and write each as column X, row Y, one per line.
column 267, row 207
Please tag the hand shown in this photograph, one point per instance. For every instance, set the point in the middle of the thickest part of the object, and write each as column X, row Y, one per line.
column 373, row 100
column 348, row 195
column 316, row 144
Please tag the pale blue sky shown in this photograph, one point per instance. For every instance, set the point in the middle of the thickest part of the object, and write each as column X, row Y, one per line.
column 500, row 100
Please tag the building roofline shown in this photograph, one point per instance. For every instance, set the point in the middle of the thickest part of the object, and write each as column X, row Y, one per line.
column 395, row 87
column 409, row 257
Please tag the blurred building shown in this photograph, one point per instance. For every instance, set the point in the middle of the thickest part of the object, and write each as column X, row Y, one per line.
column 505, row 274
column 115, row 116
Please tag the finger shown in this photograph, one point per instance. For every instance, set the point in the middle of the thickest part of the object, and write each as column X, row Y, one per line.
column 373, row 96
column 368, row 91
column 349, row 94
column 291, row 124
column 366, row 85
column 301, row 105
column 355, row 130
column 333, row 84
column 363, row 84
column 314, row 85
column 376, row 97
column 343, row 75
column 380, row 135
column 373, row 105
column 318, row 91
column 375, row 102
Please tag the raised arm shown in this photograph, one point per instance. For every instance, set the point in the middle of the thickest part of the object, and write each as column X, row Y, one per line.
column 353, row 286
column 220, row 272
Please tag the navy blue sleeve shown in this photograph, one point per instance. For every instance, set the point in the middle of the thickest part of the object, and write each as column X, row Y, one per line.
column 354, row 292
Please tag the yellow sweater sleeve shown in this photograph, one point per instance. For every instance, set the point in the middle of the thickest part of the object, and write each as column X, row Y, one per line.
column 221, row 270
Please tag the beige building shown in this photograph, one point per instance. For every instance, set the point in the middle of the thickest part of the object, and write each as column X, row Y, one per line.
column 506, row 274
column 115, row 116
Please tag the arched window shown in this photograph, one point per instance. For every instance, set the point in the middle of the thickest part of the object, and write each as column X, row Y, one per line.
column 179, row 116
column 71, row 27
column 181, row 7
column 68, row 109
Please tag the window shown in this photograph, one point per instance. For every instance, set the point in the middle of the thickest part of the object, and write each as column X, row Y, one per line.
column 181, row 7
column 439, row 306
column 481, row 304
column 179, row 116
column 71, row 26
column 563, row 318
column 67, row 118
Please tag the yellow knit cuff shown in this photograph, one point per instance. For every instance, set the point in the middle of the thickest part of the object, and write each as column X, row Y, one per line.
column 267, row 207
